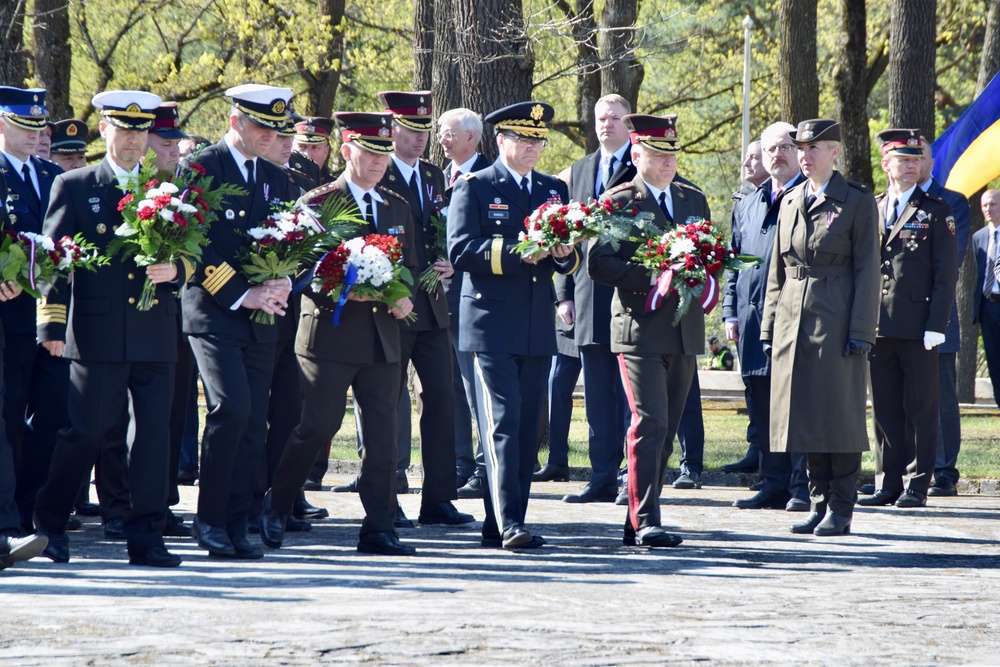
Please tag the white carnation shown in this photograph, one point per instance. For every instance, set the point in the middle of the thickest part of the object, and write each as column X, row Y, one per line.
column 681, row 247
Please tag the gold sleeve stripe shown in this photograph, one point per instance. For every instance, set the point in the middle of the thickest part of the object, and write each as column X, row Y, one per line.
column 51, row 313
column 496, row 257
column 576, row 253
column 216, row 277
column 189, row 268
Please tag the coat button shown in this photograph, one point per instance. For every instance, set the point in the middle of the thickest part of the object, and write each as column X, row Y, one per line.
column 114, row 228
column 478, row 295
column 131, row 299
column 131, row 276
column 885, row 277
column 628, row 310
column 888, row 249
column 534, row 279
column 315, row 311
column 885, row 291
column 374, row 309
column 886, row 263
column 243, row 214
column 156, row 302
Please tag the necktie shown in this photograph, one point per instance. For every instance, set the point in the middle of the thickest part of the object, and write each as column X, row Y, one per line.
column 777, row 195
column 250, row 179
column 454, row 177
column 810, row 200
column 892, row 215
column 609, row 168
column 416, row 188
column 663, row 205
column 992, row 275
column 524, row 187
column 26, row 174
column 369, row 212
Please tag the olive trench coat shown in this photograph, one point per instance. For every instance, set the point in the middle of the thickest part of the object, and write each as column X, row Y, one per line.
column 823, row 289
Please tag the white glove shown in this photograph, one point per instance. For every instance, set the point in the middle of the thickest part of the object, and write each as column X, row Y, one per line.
column 932, row 339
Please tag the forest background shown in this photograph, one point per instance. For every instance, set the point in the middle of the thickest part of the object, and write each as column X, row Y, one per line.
column 871, row 65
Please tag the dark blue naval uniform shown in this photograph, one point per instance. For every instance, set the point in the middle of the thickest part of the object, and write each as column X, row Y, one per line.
column 507, row 321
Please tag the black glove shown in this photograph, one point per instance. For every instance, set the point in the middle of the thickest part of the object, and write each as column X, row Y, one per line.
column 767, row 348
column 855, row 346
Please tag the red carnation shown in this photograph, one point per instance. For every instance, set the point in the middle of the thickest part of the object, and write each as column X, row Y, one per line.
column 198, row 168
column 125, row 201
column 151, row 184
column 145, row 213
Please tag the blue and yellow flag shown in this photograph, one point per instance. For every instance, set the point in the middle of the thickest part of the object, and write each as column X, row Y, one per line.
column 966, row 156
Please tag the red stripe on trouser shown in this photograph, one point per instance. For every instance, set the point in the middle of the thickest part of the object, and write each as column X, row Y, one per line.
column 632, row 484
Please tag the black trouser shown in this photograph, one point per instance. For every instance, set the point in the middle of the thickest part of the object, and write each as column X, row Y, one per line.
column 833, row 482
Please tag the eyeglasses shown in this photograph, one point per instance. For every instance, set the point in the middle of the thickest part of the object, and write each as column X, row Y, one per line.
column 780, row 148
column 525, row 141
column 448, row 136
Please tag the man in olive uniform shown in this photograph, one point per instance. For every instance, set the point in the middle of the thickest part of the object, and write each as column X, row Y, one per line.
column 69, row 144
column 361, row 352
column 919, row 272
column 506, row 309
column 657, row 359
column 312, row 143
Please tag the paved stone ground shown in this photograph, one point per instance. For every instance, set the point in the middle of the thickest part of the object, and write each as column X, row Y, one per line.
column 907, row 588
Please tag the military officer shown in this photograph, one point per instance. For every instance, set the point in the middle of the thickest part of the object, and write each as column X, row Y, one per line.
column 425, row 341
column 362, row 352
column 36, row 383
column 919, row 272
column 235, row 355
column 820, row 314
column 312, row 143
column 506, row 309
column 118, row 353
column 69, row 144
column 656, row 358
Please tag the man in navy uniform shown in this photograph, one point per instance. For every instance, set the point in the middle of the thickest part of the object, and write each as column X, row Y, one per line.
column 235, row 355
column 425, row 342
column 69, row 144
column 506, row 309
column 590, row 307
column 919, row 272
column 657, row 359
column 362, row 353
column 36, row 383
column 119, row 355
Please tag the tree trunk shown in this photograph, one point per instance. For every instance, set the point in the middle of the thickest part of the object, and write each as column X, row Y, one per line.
column 13, row 58
column 423, row 44
column 53, row 55
column 850, row 77
column 495, row 60
column 446, row 82
column 321, row 90
column 622, row 72
column 797, row 76
column 968, row 356
column 911, row 64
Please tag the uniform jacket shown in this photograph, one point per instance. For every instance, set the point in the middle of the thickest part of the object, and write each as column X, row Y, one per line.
column 27, row 214
column 963, row 226
column 507, row 304
column 453, row 285
column 218, row 282
column 919, row 267
column 817, row 394
column 365, row 326
column 431, row 309
column 755, row 219
column 633, row 330
column 103, row 323
column 592, row 300
column 4, row 219
column 980, row 247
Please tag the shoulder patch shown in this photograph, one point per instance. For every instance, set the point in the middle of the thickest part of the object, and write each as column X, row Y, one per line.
column 467, row 177
column 950, row 221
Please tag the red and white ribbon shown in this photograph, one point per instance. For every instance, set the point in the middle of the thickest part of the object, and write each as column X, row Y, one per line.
column 709, row 295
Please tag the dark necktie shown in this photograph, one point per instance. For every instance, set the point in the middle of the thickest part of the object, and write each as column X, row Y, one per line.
column 992, row 265
column 369, row 211
column 26, row 174
column 663, row 205
column 609, row 168
column 250, row 179
column 810, row 200
column 524, row 186
column 892, row 216
column 454, row 177
column 416, row 188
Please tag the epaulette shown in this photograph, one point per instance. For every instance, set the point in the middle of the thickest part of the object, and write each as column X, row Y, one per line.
column 467, row 177
column 618, row 188
column 687, row 186
column 858, row 186
column 382, row 190
column 317, row 195
column 933, row 197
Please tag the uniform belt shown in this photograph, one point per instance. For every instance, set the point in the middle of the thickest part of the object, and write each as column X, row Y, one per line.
column 993, row 297
column 800, row 271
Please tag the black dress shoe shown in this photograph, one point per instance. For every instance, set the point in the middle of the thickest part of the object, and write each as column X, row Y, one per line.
column 797, row 505
column 746, row 464
column 243, row 550
column 350, row 487
column 474, row 488
column 867, row 489
column 878, row 499
column 271, row 525
column 72, row 523
column 114, row 528
column 303, row 510
column 175, row 526
column 943, row 489
column 312, row 485
column 17, row 549
column 384, row 544
column 156, row 556
column 687, row 480
column 551, row 473
column 187, row 477
column 57, row 549
column 763, row 500
column 401, row 520
column 757, row 486
column 516, row 537
column 87, row 509
column 833, row 524
column 293, row 525
column 497, row 543
column 444, row 513
column 593, row 494
column 807, row 526
column 911, row 498
column 622, row 497
column 213, row 539
column 654, row 536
